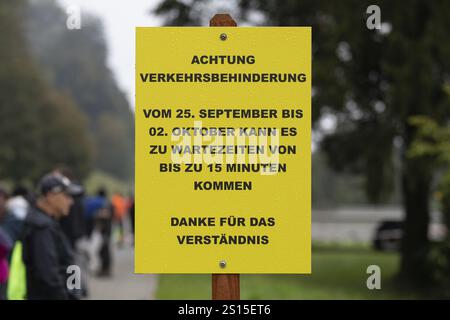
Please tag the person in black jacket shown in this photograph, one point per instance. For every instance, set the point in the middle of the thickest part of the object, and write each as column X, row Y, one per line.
column 46, row 251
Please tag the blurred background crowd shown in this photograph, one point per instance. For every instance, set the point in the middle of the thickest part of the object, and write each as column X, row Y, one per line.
column 91, row 225
column 381, row 139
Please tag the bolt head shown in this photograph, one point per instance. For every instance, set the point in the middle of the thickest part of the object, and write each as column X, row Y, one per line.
column 223, row 36
column 222, row 264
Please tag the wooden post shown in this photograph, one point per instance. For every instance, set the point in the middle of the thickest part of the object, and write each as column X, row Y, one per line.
column 222, row 20
column 224, row 286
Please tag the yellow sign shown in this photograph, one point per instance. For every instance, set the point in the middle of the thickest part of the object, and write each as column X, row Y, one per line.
column 223, row 150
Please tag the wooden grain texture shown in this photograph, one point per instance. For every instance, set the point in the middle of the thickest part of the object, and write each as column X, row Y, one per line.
column 225, row 286
column 222, row 20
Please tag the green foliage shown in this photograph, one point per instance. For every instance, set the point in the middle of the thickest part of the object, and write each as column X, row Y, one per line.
column 98, row 179
column 65, row 136
column 373, row 82
column 338, row 273
column 439, row 263
column 75, row 62
column 444, row 188
column 334, row 189
column 40, row 128
column 113, row 138
column 432, row 142
column 180, row 13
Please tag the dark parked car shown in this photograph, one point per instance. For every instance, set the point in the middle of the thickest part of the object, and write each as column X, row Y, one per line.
column 388, row 236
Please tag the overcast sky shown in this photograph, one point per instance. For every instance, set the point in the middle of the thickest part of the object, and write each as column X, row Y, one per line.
column 119, row 19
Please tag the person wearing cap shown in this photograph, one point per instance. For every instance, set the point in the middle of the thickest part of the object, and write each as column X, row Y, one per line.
column 46, row 251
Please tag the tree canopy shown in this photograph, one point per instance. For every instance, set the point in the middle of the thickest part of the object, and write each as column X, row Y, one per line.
column 372, row 82
column 75, row 62
column 40, row 127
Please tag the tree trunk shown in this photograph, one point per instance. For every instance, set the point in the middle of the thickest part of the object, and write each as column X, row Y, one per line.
column 416, row 183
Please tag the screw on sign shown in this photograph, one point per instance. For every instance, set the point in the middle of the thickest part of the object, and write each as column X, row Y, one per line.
column 224, row 286
column 258, row 215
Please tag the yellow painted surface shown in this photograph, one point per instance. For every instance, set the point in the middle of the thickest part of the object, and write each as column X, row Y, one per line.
column 284, row 196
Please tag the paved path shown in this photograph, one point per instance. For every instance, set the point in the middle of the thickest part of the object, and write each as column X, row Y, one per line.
column 124, row 284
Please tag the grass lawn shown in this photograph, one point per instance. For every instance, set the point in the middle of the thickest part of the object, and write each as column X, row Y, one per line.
column 338, row 272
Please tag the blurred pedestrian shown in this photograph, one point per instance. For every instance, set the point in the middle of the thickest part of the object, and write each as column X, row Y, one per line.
column 46, row 250
column 5, row 246
column 131, row 214
column 99, row 213
column 3, row 202
column 17, row 208
column 18, row 204
column 92, row 205
column 73, row 225
column 5, row 249
column 119, row 204
column 104, row 219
